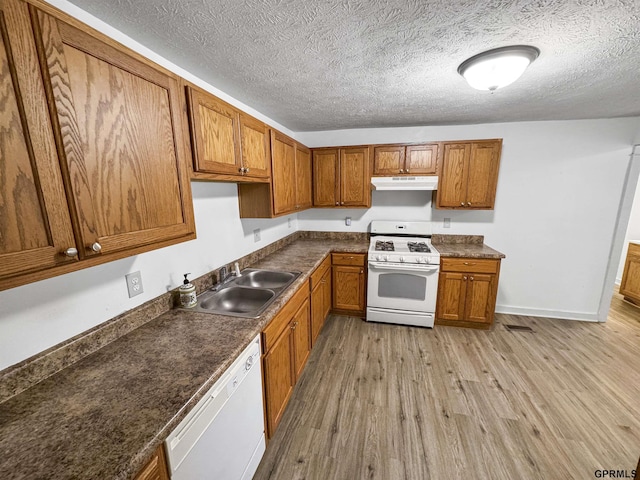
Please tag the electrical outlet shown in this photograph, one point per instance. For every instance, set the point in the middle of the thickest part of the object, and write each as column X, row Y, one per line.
column 256, row 235
column 447, row 223
column 289, row 222
column 134, row 283
column 347, row 221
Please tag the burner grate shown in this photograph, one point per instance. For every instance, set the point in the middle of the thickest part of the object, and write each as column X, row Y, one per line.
column 384, row 246
column 418, row 247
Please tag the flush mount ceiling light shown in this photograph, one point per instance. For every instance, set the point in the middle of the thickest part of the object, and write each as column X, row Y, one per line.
column 497, row 68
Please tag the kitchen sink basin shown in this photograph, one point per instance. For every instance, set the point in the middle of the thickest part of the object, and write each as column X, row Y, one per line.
column 247, row 295
column 238, row 300
column 264, row 278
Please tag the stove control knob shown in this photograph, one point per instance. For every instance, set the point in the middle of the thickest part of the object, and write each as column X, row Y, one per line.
column 401, row 259
column 378, row 257
column 386, row 258
column 419, row 259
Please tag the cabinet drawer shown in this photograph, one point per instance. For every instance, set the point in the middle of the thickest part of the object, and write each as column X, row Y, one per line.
column 356, row 259
column 319, row 272
column 472, row 265
column 281, row 321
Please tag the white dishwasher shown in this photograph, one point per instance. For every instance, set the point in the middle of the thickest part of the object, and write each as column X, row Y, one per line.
column 223, row 438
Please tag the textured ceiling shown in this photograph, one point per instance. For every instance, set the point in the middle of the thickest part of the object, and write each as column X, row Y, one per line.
column 322, row 65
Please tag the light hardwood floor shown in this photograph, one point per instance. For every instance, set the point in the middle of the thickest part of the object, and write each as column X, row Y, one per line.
column 392, row 402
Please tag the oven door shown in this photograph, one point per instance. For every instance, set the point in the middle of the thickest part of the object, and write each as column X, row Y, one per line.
column 401, row 286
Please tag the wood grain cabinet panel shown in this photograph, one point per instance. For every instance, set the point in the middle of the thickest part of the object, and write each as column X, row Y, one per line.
column 304, row 184
column 290, row 187
column 156, row 468
column 341, row 177
column 394, row 160
column 283, row 161
column 214, row 134
column 119, row 128
column 35, row 225
column 254, row 147
column 469, row 174
column 467, row 290
column 349, row 283
column 320, row 297
column 286, row 344
column 630, row 284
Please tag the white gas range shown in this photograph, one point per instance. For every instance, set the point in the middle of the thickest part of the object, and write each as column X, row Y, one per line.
column 403, row 274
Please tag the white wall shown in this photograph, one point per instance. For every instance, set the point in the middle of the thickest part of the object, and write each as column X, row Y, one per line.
column 633, row 231
column 557, row 202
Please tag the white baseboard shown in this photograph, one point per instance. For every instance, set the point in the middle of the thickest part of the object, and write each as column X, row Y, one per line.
column 540, row 312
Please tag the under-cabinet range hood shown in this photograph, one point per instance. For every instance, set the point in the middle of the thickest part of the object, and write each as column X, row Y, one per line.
column 405, row 183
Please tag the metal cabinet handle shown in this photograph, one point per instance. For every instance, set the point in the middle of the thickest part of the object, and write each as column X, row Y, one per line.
column 406, row 171
column 462, row 204
column 464, row 278
column 96, row 247
column 241, row 169
column 341, row 203
column 401, row 170
column 471, row 278
column 71, row 252
column 246, row 170
column 467, row 263
column 337, row 203
column 362, row 270
column 468, row 204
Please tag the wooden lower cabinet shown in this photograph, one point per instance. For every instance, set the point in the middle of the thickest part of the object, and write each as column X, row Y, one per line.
column 467, row 291
column 349, row 282
column 320, row 297
column 630, row 284
column 156, row 468
column 286, row 343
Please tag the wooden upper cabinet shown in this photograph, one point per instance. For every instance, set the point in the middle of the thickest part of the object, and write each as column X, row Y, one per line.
column 421, row 159
column 304, row 185
column 325, row 178
column 283, row 151
column 214, row 133
column 35, row 226
column 469, row 174
column 393, row 160
column 341, row 177
column 254, row 147
column 119, row 128
column 388, row 159
column 355, row 180
column 228, row 145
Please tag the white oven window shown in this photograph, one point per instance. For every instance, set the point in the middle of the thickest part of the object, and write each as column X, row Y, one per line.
column 402, row 285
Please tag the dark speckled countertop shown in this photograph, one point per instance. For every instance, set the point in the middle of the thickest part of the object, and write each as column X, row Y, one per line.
column 102, row 417
column 468, row 246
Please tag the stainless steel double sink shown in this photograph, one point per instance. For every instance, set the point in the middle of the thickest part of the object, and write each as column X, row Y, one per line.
column 247, row 295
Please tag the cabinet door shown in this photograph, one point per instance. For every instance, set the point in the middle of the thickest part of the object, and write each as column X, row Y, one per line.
column 303, row 178
column 452, row 188
column 254, row 147
column 355, row 180
column 156, row 468
column 119, row 125
column 278, row 379
column 325, row 179
column 35, row 227
column 388, row 160
column 326, row 287
column 301, row 338
column 452, row 289
column 283, row 151
column 484, row 162
column 348, row 288
column 317, row 310
column 630, row 284
column 479, row 296
column 214, row 134
column 421, row 159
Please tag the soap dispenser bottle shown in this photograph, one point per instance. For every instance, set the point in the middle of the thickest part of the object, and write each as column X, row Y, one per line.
column 187, row 293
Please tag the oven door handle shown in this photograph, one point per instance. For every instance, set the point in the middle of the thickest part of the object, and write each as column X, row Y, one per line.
column 404, row 266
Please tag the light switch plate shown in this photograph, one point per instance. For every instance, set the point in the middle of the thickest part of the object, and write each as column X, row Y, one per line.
column 134, row 283
column 447, row 223
column 256, row 235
